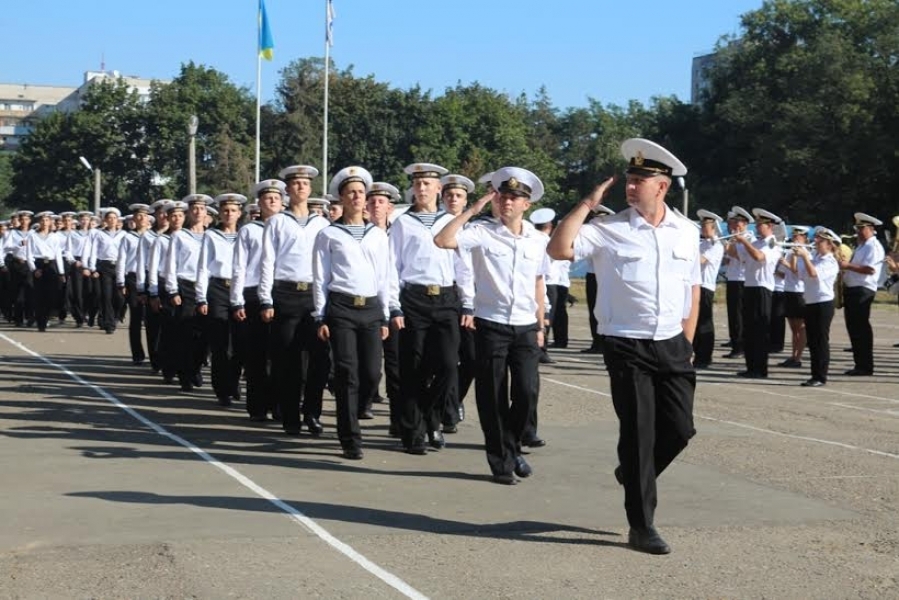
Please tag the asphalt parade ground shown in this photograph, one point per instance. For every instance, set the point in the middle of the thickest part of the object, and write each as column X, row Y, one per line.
column 113, row 485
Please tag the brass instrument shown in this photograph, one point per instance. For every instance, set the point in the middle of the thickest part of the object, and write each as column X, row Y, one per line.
column 844, row 252
column 894, row 246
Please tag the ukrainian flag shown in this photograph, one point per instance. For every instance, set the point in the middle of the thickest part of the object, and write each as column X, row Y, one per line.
column 266, row 45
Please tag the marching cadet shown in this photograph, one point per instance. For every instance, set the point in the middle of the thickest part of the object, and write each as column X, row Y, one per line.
column 711, row 252
column 21, row 281
column 759, row 257
column 77, row 250
column 180, row 273
column 127, row 266
column 251, row 334
column 794, row 305
column 424, row 307
column 454, row 193
column 818, row 273
column 735, row 272
column 509, row 260
column 43, row 254
column 319, row 206
column 66, row 229
column 861, row 276
column 5, row 302
column 300, row 361
column 253, row 213
column 351, row 288
column 647, row 265
column 152, row 318
column 213, row 296
column 102, row 265
column 381, row 198
column 157, row 293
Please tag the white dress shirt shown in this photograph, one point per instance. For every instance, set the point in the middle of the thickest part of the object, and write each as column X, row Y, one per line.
column 247, row 259
column 127, row 258
column 349, row 266
column 104, row 246
column 734, row 269
column 713, row 253
column 645, row 274
column 414, row 256
column 156, row 262
column 46, row 247
column 506, row 270
column 760, row 273
column 792, row 282
column 216, row 260
column 821, row 288
column 16, row 242
column 182, row 259
column 287, row 251
column 78, row 246
column 143, row 258
column 869, row 254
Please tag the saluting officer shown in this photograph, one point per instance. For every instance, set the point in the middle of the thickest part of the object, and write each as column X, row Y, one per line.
column 251, row 334
column 509, row 260
column 647, row 267
column 43, row 253
column 424, row 306
column 711, row 252
column 214, row 274
column 126, row 278
column 300, row 361
column 102, row 264
column 351, row 289
column 861, row 276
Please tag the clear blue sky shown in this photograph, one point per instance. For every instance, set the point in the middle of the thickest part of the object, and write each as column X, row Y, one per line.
column 612, row 51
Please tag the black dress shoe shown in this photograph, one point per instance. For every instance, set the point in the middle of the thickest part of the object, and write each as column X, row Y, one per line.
column 791, row 363
column 545, row 359
column 197, row 380
column 504, row 479
column 450, row 428
column 619, row 475
column 858, row 373
column 417, row 448
column 702, row 365
column 352, row 453
column 366, row 415
column 259, row 418
column 592, row 350
column 276, row 413
column 224, row 401
column 647, row 539
column 187, row 387
column 533, row 442
column 734, row 354
column 292, row 430
column 752, row 375
column 313, row 425
column 138, row 361
column 522, row 468
column 435, row 439
column 812, row 383
column 559, row 345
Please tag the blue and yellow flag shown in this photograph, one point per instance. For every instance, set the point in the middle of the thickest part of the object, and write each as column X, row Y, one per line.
column 266, row 45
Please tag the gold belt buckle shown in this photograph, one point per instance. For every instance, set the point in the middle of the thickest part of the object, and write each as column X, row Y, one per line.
column 358, row 301
column 433, row 290
column 227, row 283
column 302, row 286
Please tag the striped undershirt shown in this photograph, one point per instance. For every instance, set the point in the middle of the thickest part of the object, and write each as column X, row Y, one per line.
column 427, row 218
column 357, row 231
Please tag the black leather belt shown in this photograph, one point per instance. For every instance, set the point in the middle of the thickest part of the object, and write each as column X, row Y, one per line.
column 355, row 301
column 298, row 286
column 429, row 290
column 221, row 281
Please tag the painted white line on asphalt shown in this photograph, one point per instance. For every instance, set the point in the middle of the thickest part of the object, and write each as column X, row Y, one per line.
column 744, row 425
column 891, row 412
column 389, row 578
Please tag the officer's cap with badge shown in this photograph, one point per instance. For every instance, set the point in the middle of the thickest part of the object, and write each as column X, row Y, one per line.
column 298, row 172
column 648, row 159
column 230, row 198
column 192, row 199
column 864, row 220
column 425, row 171
column 542, row 216
column 741, row 214
column 139, row 208
column 519, row 182
column 349, row 175
column 828, row 234
column 799, row 230
column 603, row 211
column 382, row 188
column 268, row 186
column 460, row 182
column 707, row 215
column 765, row 217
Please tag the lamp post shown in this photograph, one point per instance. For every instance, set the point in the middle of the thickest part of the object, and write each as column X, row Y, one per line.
column 192, row 125
column 96, row 173
column 686, row 194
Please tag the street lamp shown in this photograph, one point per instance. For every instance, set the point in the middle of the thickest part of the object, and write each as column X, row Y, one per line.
column 686, row 194
column 192, row 125
column 96, row 173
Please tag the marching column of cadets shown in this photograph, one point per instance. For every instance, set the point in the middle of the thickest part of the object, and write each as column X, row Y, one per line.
column 439, row 296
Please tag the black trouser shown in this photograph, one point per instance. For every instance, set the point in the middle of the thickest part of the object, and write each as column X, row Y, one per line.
column 46, row 292
column 464, row 377
column 92, row 298
column 75, row 290
column 355, row 328
column 757, row 318
column 558, row 299
column 251, row 343
column 21, row 291
column 857, row 309
column 652, row 385
column 187, row 329
column 168, row 334
column 778, row 321
column 154, row 325
column 110, row 298
column 137, row 309
column 5, row 297
column 224, row 366
column 391, row 350
column 704, row 340
column 590, row 281
column 505, row 352
column 429, row 352
column 735, row 314
column 300, row 361
column 818, row 317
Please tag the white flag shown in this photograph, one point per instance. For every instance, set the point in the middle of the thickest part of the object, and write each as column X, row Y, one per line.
column 329, row 28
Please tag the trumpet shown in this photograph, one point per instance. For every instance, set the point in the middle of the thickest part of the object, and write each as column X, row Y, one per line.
column 732, row 235
column 774, row 243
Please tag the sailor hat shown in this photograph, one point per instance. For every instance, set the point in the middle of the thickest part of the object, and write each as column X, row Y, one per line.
column 461, row 182
column 144, row 208
column 517, row 181
column 861, row 219
column 85, row 213
column 110, row 209
column 541, row 216
column 318, row 202
column 648, row 158
column 423, row 170
column 67, row 213
column 253, row 209
column 24, row 213
column 707, row 215
column 763, row 216
column 741, row 213
column 230, row 198
column 45, row 213
column 349, row 175
column 160, row 204
column 198, row 199
column 298, row 172
column 211, row 211
column 799, row 230
column 269, row 185
column 828, row 234
column 381, row 188
column 176, row 205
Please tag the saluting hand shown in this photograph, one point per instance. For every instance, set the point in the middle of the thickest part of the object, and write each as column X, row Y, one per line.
column 596, row 196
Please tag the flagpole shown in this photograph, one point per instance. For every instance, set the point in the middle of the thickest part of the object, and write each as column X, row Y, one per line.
column 325, row 128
